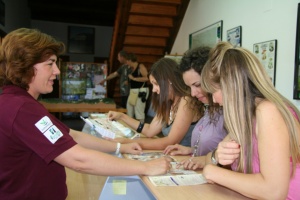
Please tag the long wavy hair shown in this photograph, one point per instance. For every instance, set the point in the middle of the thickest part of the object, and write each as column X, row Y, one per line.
column 168, row 76
column 242, row 78
column 20, row 51
column 195, row 59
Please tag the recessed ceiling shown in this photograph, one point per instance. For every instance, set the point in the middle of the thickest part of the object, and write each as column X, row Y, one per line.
column 86, row 12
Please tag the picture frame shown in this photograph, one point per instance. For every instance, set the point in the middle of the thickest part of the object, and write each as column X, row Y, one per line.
column 81, row 40
column 234, row 36
column 266, row 53
column 296, row 92
column 208, row 36
column 175, row 57
column 2, row 13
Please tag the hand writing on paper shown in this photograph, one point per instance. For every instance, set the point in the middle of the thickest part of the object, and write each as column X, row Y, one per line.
column 113, row 115
column 158, row 166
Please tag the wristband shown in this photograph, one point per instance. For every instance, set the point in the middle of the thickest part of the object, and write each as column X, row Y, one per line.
column 140, row 127
column 118, row 148
column 213, row 159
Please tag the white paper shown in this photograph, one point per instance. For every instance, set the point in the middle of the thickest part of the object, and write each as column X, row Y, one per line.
column 178, row 180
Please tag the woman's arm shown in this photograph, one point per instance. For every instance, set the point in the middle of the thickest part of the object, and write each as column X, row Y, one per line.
column 91, row 142
column 184, row 118
column 149, row 130
column 273, row 147
column 89, row 161
column 144, row 73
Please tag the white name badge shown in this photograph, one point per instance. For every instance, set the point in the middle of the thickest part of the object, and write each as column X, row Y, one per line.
column 50, row 131
column 53, row 134
column 43, row 124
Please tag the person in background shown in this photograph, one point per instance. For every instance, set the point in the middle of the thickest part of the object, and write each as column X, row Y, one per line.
column 138, row 83
column 209, row 130
column 122, row 72
column 175, row 115
column 35, row 147
column 263, row 142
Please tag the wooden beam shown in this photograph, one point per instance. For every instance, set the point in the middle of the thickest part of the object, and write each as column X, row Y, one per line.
column 145, row 41
column 150, row 21
column 139, row 8
column 161, row 1
column 144, row 50
column 148, row 31
column 148, row 59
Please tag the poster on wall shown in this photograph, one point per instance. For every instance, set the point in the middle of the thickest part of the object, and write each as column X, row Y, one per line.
column 208, row 36
column 234, row 36
column 266, row 53
column 175, row 57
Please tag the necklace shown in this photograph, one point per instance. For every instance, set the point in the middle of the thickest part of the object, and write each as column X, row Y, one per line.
column 173, row 111
column 196, row 145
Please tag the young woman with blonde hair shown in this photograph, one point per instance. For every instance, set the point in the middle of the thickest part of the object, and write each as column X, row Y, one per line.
column 263, row 146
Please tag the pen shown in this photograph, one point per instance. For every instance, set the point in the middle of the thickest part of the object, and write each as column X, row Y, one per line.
column 174, row 180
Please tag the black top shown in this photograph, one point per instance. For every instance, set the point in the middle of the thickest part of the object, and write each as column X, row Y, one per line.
column 136, row 73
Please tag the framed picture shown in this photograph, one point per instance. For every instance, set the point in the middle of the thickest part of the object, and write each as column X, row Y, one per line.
column 2, row 13
column 234, row 36
column 81, row 40
column 208, row 36
column 266, row 53
column 297, row 59
column 176, row 58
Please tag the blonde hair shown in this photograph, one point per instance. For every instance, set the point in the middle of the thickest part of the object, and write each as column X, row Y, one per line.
column 242, row 78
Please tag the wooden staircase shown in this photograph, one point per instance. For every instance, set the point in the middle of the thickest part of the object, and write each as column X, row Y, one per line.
column 147, row 28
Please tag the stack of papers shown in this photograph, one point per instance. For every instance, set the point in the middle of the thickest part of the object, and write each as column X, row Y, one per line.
column 109, row 129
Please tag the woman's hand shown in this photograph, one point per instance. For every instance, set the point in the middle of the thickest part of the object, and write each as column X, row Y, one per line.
column 227, row 152
column 132, row 148
column 158, row 166
column 177, row 149
column 113, row 115
column 193, row 163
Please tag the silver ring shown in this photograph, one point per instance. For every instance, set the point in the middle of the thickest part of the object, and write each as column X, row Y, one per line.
column 190, row 159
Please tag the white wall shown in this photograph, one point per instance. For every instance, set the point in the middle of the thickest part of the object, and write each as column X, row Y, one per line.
column 261, row 20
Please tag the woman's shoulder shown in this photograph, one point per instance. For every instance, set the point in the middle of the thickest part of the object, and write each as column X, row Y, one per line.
column 265, row 106
column 265, row 109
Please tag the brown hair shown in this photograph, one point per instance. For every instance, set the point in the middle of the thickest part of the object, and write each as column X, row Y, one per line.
column 169, row 78
column 20, row 50
column 195, row 59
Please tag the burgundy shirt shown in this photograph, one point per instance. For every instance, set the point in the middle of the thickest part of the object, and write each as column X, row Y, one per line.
column 30, row 138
